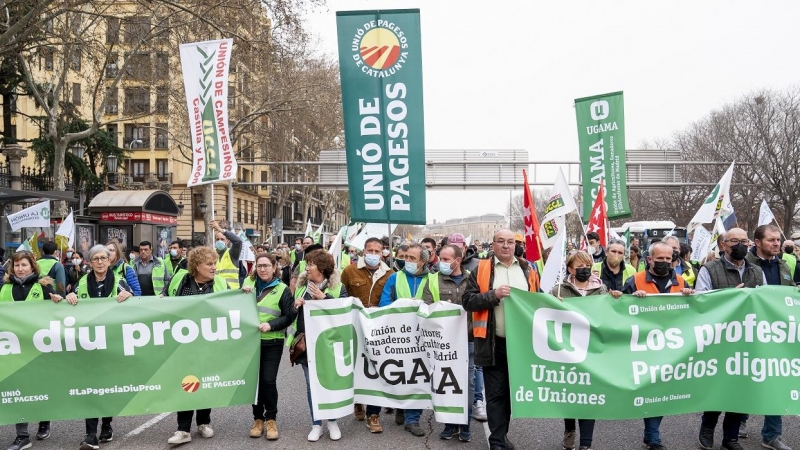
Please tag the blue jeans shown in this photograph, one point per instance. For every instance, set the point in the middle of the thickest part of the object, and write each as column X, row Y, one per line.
column 478, row 378
column 773, row 428
column 412, row 416
column 308, row 394
column 651, row 433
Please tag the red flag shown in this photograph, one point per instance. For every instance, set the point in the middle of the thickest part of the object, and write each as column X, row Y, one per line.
column 533, row 246
column 599, row 217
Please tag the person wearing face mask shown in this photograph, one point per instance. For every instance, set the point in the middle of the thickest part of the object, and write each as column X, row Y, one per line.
column 430, row 246
column 300, row 265
column 789, row 257
column 410, row 283
column 352, row 254
column 228, row 266
column 365, row 280
column 450, row 288
column 659, row 278
column 76, row 269
column 174, row 258
column 613, row 271
column 117, row 264
column 581, row 282
column 681, row 266
column 399, row 260
column 595, row 249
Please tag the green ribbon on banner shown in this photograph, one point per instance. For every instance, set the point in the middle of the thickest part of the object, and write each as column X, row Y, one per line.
column 143, row 356
column 599, row 358
column 381, row 73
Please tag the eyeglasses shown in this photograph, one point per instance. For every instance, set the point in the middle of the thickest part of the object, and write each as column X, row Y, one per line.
column 263, row 266
column 736, row 241
column 509, row 243
column 99, row 259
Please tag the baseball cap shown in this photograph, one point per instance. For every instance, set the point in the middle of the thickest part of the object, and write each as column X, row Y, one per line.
column 519, row 237
column 456, row 238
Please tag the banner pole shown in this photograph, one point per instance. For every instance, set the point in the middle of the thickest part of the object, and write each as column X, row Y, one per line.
column 779, row 227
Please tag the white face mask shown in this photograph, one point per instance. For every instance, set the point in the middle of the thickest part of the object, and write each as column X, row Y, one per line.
column 385, row 252
column 132, row 256
column 76, row 262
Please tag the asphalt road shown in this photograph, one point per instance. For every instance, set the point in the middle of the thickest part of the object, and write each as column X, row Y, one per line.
column 232, row 425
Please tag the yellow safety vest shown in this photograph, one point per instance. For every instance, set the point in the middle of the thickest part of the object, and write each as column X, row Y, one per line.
column 228, row 271
column 6, row 293
column 403, row 289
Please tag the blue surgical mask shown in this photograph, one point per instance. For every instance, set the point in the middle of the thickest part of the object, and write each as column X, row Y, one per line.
column 173, row 253
column 372, row 260
column 445, row 268
column 221, row 246
column 411, row 268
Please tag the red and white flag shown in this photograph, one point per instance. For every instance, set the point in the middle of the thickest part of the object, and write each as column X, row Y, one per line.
column 533, row 250
column 598, row 221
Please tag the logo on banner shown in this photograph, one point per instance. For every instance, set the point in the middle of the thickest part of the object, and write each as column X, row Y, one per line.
column 336, row 352
column 560, row 336
column 45, row 212
column 599, row 110
column 378, row 48
column 190, row 384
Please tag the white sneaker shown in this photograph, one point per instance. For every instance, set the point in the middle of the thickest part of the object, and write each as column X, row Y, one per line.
column 479, row 411
column 334, row 431
column 180, row 437
column 206, row 431
column 315, row 434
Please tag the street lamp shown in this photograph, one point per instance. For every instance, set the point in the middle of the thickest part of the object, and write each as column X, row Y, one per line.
column 180, row 208
column 111, row 168
column 203, row 208
column 78, row 151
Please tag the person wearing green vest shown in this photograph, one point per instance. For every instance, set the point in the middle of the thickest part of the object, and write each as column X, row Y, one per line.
column 229, row 248
column 200, row 277
column 449, row 285
column 635, row 258
column 410, row 283
column 100, row 282
column 275, row 313
column 613, row 271
column 319, row 281
column 151, row 271
column 789, row 257
column 300, row 265
column 119, row 266
column 22, row 283
column 297, row 251
column 50, row 266
column 174, row 258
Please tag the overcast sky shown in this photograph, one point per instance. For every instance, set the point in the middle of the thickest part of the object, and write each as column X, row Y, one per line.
column 503, row 75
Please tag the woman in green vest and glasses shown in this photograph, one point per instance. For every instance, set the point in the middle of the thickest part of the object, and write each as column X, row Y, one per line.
column 22, row 283
column 200, row 277
column 319, row 281
column 100, row 282
column 275, row 313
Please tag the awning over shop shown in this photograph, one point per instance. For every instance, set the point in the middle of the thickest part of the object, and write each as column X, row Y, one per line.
column 153, row 206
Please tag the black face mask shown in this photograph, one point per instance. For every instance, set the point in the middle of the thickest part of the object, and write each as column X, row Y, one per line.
column 583, row 273
column 661, row 268
column 400, row 263
column 518, row 251
column 789, row 250
column 738, row 252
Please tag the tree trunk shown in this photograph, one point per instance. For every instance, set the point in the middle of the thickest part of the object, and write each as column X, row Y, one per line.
column 59, row 156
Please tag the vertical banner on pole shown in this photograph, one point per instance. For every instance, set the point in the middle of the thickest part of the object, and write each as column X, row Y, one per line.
column 381, row 72
column 601, row 136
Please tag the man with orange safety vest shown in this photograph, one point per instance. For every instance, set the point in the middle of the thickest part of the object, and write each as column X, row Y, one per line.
column 486, row 289
column 659, row 278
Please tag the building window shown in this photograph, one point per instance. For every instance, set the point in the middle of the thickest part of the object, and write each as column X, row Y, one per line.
column 112, row 133
column 161, row 170
column 162, row 100
column 231, row 96
column 137, row 29
column 112, row 103
column 76, row 94
column 138, row 66
column 135, row 133
column 137, row 100
column 47, row 58
column 112, row 30
column 162, row 66
column 162, row 134
column 138, row 168
column 75, row 64
column 197, row 199
column 161, row 31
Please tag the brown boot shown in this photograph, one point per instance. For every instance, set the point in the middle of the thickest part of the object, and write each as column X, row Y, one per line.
column 257, row 429
column 358, row 410
column 374, row 424
column 272, row 430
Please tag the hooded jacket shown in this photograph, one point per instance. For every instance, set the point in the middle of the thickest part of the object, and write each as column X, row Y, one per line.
column 569, row 290
column 21, row 288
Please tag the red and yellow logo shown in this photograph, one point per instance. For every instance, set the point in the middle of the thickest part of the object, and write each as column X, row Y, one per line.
column 190, row 384
column 380, row 48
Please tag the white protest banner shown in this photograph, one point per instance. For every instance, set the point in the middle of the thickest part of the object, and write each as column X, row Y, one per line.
column 407, row 355
column 558, row 206
column 553, row 272
column 36, row 216
column 66, row 233
column 717, row 203
column 701, row 244
column 205, row 77
column 765, row 215
column 377, row 230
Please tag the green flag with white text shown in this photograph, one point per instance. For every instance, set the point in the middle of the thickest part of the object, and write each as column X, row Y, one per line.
column 145, row 355
column 601, row 136
column 380, row 63
column 599, row 358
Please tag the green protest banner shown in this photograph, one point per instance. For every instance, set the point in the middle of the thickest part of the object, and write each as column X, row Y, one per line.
column 380, row 64
column 143, row 356
column 600, row 358
column 601, row 136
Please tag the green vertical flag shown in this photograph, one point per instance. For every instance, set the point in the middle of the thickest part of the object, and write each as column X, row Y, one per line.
column 381, row 71
column 601, row 136
column 627, row 236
